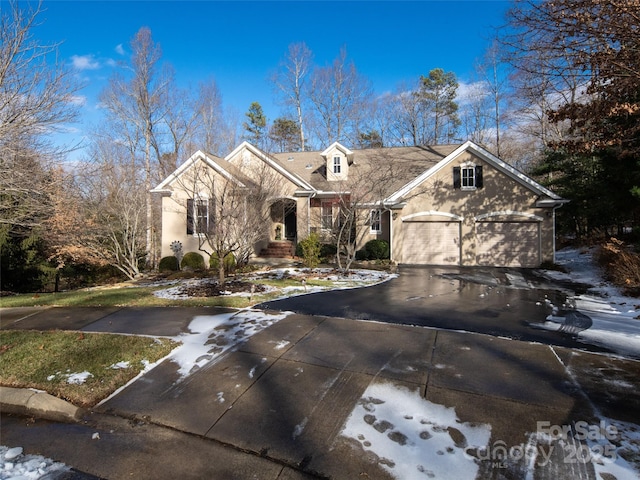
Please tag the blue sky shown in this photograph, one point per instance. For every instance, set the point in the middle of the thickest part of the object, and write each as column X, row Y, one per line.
column 239, row 43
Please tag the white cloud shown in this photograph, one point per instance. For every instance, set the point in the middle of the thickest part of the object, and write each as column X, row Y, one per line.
column 470, row 91
column 85, row 62
column 78, row 100
column 119, row 49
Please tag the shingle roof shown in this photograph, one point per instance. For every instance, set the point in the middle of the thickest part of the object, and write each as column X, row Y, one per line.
column 409, row 162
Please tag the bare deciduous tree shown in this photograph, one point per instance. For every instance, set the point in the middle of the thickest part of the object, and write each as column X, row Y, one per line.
column 111, row 225
column 362, row 192
column 227, row 207
column 290, row 82
column 337, row 93
column 137, row 105
column 214, row 132
column 37, row 97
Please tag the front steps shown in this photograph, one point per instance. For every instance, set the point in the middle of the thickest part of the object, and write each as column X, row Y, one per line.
column 278, row 249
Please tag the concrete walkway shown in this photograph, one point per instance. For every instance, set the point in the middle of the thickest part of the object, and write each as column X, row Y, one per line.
column 275, row 407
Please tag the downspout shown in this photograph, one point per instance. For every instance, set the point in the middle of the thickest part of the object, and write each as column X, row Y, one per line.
column 390, row 235
column 390, row 232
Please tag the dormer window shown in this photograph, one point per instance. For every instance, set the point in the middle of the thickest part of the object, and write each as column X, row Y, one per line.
column 467, row 177
column 337, row 165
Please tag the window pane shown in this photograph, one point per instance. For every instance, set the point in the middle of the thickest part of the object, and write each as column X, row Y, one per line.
column 327, row 216
column 468, row 177
column 202, row 216
column 375, row 221
column 336, row 164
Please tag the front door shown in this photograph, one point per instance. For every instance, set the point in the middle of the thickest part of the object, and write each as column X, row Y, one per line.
column 290, row 221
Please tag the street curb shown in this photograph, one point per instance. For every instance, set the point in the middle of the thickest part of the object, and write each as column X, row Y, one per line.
column 22, row 401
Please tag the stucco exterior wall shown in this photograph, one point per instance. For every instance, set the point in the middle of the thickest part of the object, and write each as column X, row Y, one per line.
column 501, row 198
column 174, row 226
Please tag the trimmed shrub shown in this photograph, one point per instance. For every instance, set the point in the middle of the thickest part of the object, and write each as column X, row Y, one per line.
column 310, row 247
column 193, row 260
column 229, row 262
column 377, row 249
column 361, row 255
column 168, row 264
column 328, row 251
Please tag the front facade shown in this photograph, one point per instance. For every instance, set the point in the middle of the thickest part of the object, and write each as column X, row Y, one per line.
column 437, row 205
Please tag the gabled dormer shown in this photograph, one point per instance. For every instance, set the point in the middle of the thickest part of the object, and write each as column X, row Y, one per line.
column 338, row 158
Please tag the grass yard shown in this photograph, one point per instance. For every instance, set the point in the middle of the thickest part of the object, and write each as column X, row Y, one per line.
column 56, row 361
column 131, row 295
column 84, row 368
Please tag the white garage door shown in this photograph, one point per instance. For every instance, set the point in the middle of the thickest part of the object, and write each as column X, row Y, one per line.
column 508, row 244
column 431, row 243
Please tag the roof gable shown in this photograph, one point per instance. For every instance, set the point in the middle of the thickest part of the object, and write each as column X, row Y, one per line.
column 486, row 156
column 337, row 146
column 216, row 163
column 296, row 180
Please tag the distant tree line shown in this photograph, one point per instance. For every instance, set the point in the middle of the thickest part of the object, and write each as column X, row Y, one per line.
column 557, row 96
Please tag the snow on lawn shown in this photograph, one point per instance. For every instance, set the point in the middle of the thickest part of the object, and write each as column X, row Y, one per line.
column 72, row 378
column 615, row 322
column 213, row 335
column 353, row 279
column 412, row 437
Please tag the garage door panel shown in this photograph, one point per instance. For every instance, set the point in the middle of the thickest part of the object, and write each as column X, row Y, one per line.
column 431, row 243
column 508, row 244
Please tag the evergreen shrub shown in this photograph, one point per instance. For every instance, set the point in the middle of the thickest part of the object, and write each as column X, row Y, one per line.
column 193, row 260
column 229, row 262
column 168, row 264
column 377, row 249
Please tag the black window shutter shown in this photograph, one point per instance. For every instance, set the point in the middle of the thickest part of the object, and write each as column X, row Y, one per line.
column 479, row 181
column 212, row 213
column 457, row 183
column 190, row 216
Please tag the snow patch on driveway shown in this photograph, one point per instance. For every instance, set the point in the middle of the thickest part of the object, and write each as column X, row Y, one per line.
column 412, row 437
column 213, row 335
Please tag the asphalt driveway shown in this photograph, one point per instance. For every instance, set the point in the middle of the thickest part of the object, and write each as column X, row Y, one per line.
column 509, row 303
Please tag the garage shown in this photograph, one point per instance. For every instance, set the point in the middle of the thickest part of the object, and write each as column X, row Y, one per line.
column 431, row 243
column 508, row 244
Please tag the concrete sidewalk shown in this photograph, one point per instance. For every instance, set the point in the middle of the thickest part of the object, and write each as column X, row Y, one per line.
column 276, row 406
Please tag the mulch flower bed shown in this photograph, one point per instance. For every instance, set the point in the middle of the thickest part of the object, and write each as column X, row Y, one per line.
column 213, row 288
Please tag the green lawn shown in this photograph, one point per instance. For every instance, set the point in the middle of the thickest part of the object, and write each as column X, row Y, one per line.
column 129, row 296
column 142, row 296
column 46, row 361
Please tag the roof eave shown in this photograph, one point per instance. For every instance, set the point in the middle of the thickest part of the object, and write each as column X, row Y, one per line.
column 551, row 203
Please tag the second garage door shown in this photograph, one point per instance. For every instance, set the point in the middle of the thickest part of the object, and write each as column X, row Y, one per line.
column 431, row 243
column 508, row 244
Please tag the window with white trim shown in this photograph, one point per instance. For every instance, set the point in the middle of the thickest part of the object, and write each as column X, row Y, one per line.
column 326, row 215
column 467, row 177
column 199, row 216
column 375, row 221
column 202, row 215
column 337, row 164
